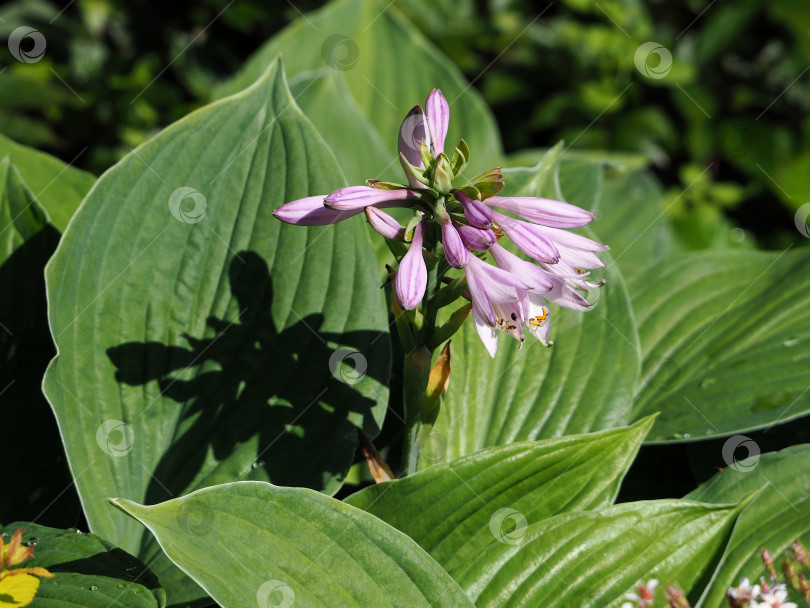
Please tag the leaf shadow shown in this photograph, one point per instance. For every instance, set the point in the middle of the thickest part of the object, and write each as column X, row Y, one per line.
column 42, row 486
column 252, row 402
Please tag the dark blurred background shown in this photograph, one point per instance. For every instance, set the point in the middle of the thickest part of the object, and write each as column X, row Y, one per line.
column 734, row 101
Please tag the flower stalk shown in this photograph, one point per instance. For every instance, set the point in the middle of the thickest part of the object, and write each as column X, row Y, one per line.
column 447, row 251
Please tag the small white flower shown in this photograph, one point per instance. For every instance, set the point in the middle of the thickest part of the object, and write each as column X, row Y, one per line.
column 776, row 597
column 744, row 592
column 643, row 595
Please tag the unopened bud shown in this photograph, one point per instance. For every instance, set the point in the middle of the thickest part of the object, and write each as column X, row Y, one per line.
column 791, row 573
column 676, row 598
column 800, row 553
column 442, row 174
column 766, row 559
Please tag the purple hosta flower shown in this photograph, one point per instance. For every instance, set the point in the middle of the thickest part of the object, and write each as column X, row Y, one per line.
column 477, row 239
column 643, row 596
column 411, row 278
column 467, row 219
column 739, row 597
column 476, row 212
column 455, row 251
column 385, row 224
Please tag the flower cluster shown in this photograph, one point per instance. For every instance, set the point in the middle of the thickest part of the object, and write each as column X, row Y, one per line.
column 747, row 595
column 468, row 221
column 18, row 586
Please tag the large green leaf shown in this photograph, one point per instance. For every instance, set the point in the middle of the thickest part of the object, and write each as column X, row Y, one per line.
column 778, row 515
column 631, row 216
column 27, row 241
column 726, row 341
column 256, row 543
column 58, row 186
column 448, row 508
column 200, row 346
column 88, row 571
column 591, row 559
column 389, row 67
column 324, row 96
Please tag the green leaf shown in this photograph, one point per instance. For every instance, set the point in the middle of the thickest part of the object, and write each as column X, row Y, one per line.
column 27, row 241
column 631, row 218
column 361, row 149
column 389, row 67
column 591, row 559
column 778, row 514
column 88, row 571
column 59, row 187
column 541, row 179
column 726, row 341
column 447, row 508
column 254, row 542
column 583, row 383
column 209, row 344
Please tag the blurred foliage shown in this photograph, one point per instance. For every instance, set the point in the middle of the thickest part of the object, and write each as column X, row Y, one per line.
column 725, row 127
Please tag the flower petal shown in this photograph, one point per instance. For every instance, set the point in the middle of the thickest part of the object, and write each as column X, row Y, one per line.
column 410, row 281
column 533, row 275
column 487, row 333
column 545, row 211
column 570, row 239
column 564, row 295
column 528, row 239
column 412, row 133
column 438, row 119
column 384, row 224
column 477, row 239
column 455, row 252
column 357, row 197
column 476, row 212
column 310, row 211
